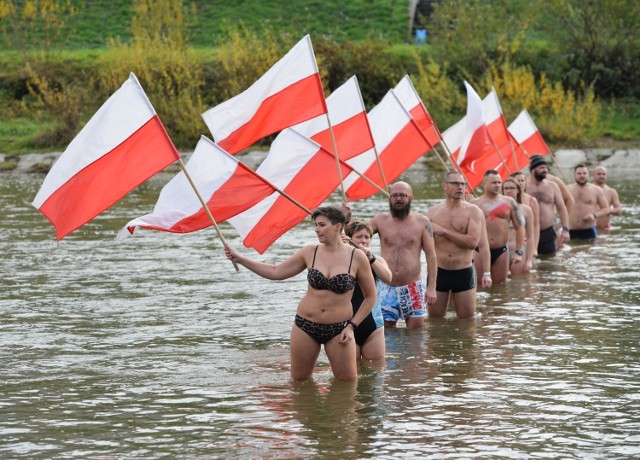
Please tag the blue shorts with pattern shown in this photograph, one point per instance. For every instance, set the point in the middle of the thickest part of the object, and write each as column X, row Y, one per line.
column 401, row 302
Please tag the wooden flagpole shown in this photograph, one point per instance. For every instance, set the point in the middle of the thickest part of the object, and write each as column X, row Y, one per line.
column 384, row 181
column 499, row 154
column 206, row 208
column 335, row 154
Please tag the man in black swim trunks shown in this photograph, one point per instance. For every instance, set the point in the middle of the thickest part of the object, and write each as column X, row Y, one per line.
column 499, row 211
column 457, row 229
column 590, row 204
column 550, row 200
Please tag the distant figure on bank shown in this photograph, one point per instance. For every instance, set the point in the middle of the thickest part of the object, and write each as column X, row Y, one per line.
column 549, row 201
column 499, row 211
column 403, row 235
column 457, row 227
column 370, row 332
column 615, row 207
column 590, row 204
column 511, row 187
column 324, row 315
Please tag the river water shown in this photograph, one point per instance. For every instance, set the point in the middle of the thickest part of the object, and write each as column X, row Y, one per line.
column 156, row 347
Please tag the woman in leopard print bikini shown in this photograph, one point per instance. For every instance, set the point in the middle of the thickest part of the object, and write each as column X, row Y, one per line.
column 324, row 314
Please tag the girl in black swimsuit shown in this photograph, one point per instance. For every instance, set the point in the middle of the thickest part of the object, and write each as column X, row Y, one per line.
column 324, row 315
column 370, row 333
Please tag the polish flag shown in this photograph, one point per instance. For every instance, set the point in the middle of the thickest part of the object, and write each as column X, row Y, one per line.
column 411, row 101
column 289, row 93
column 468, row 139
column 227, row 186
column 399, row 143
column 348, row 119
column 501, row 147
column 526, row 133
column 122, row 145
column 304, row 171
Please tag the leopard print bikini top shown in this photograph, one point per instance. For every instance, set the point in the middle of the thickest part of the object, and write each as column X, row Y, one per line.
column 340, row 283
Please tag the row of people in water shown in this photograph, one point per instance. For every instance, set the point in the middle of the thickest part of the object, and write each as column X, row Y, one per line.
column 352, row 294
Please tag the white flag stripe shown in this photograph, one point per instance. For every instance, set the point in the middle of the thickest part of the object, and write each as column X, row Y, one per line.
column 458, row 136
column 227, row 117
column 523, row 127
column 406, row 93
column 120, row 116
column 491, row 110
column 289, row 152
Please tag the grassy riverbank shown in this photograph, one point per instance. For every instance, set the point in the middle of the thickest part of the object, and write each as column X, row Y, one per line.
column 190, row 56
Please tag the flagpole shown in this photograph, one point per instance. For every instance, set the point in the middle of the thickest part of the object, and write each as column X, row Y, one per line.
column 384, row 181
column 513, row 152
column 206, row 208
column 372, row 183
column 335, row 154
column 499, row 154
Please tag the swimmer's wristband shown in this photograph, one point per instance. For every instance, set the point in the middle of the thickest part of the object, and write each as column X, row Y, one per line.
column 519, row 252
column 352, row 324
column 565, row 229
column 373, row 259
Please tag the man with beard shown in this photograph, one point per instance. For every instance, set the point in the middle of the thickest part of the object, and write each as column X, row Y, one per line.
column 403, row 235
column 499, row 211
column 590, row 203
column 458, row 227
column 549, row 201
column 614, row 206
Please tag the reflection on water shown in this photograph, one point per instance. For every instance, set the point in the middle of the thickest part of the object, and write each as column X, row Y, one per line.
column 157, row 347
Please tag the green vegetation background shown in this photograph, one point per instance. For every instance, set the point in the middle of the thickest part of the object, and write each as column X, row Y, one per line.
column 573, row 64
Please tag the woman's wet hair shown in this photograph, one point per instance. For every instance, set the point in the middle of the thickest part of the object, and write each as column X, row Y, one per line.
column 333, row 213
column 355, row 226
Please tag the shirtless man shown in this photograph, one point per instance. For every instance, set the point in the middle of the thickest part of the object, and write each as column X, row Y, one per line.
column 590, row 204
column 549, row 201
column 615, row 208
column 499, row 211
column 457, row 227
column 568, row 202
column 403, row 234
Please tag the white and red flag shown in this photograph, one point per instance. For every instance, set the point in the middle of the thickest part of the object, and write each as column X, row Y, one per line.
column 411, row 101
column 399, row 143
column 289, row 93
column 500, row 156
column 468, row 139
column 348, row 119
column 304, row 171
column 227, row 186
column 526, row 133
column 122, row 145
